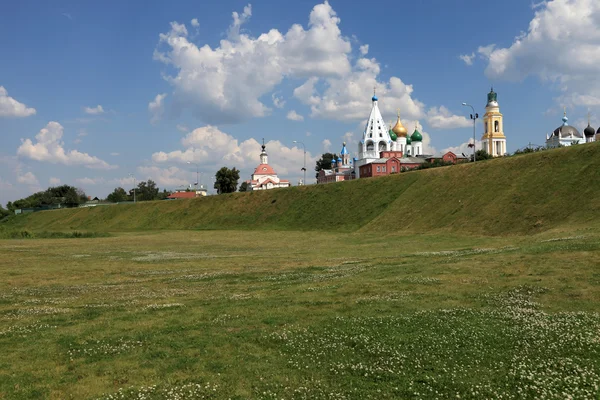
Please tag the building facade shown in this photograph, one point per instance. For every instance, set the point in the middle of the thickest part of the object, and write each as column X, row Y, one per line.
column 264, row 176
column 566, row 135
column 493, row 140
column 341, row 169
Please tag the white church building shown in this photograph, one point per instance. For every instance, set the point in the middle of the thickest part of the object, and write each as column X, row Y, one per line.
column 264, row 176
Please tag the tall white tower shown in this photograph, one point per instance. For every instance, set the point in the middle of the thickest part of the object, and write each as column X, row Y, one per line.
column 376, row 138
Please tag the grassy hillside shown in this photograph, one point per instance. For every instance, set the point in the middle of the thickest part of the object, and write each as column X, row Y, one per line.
column 524, row 194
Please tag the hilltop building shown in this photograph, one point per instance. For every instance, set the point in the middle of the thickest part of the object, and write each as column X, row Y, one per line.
column 264, row 176
column 567, row 135
column 341, row 169
column 493, row 140
column 388, row 150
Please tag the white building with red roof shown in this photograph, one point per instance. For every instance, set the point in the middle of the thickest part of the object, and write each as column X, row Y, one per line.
column 264, row 176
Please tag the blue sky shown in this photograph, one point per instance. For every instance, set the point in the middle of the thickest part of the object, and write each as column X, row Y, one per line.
column 92, row 92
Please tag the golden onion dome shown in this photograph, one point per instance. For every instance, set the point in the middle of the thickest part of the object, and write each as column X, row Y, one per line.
column 399, row 129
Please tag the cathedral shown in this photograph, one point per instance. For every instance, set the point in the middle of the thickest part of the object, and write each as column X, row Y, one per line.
column 380, row 145
column 567, row 135
column 264, row 176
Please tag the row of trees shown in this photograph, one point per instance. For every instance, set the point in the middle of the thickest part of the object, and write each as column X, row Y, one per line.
column 145, row 191
column 65, row 195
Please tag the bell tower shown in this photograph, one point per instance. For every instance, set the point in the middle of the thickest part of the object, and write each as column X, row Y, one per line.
column 493, row 140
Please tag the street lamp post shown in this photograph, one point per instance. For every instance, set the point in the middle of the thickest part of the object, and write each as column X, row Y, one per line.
column 196, row 184
column 131, row 175
column 474, row 117
column 304, row 168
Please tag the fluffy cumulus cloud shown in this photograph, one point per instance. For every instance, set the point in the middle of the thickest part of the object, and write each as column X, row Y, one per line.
column 170, row 177
column 294, row 116
column 27, row 178
column 94, row 110
column 48, row 147
column 195, row 23
column 326, row 143
column 90, row 181
column 561, row 45
column 225, row 83
column 442, row 118
column 157, row 107
column 229, row 83
column 463, row 148
column 467, row 58
column 211, row 148
column 10, row 107
column 54, row 181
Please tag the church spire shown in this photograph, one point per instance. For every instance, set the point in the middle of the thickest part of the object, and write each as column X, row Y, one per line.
column 263, row 154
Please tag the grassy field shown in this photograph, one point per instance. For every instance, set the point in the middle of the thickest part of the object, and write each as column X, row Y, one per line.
column 301, row 315
column 515, row 195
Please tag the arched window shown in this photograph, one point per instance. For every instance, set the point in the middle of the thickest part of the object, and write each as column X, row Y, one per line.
column 486, row 127
column 382, row 146
column 496, row 126
column 370, row 146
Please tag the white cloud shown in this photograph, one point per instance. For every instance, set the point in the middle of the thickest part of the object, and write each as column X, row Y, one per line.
column 171, row 177
column 27, row 178
column 90, row 181
column 5, row 185
column 54, row 181
column 278, row 101
column 350, row 98
column 326, row 143
column 224, row 84
column 294, row 116
column 442, row 118
column 10, row 107
column 467, row 58
column 364, row 49
column 94, row 110
column 157, row 107
column 183, row 128
column 194, row 22
column 49, row 148
column 348, row 137
column 561, row 46
column 211, row 149
column 463, row 148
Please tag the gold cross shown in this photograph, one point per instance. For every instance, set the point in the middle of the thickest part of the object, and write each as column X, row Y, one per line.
column 374, row 90
column 398, row 110
column 565, row 111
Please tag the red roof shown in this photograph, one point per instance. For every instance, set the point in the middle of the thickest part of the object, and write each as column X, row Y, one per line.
column 264, row 169
column 182, row 195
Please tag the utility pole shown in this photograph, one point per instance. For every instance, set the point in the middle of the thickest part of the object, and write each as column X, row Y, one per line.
column 131, row 175
column 303, row 168
column 474, row 117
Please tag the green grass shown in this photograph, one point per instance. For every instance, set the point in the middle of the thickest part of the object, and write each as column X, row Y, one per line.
column 473, row 281
column 516, row 195
column 300, row 315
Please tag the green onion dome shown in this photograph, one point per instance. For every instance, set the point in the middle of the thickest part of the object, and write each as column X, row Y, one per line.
column 408, row 140
column 393, row 135
column 416, row 136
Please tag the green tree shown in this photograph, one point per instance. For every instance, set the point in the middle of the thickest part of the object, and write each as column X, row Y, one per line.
column 117, row 195
column 146, row 191
column 244, row 187
column 324, row 162
column 4, row 212
column 482, row 155
column 64, row 195
column 226, row 180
